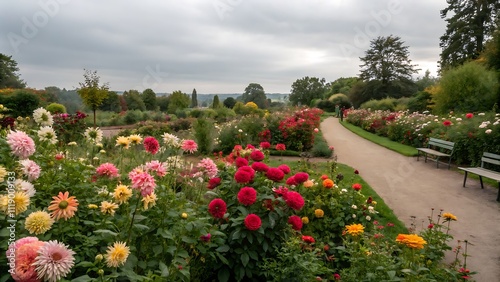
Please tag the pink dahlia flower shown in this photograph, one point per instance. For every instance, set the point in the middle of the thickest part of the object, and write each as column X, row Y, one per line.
column 189, row 146
column 107, row 169
column 158, row 167
column 30, row 169
column 143, row 182
column 54, row 261
column 21, row 144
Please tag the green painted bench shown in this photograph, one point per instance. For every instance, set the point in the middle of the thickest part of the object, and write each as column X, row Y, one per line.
column 436, row 147
column 488, row 158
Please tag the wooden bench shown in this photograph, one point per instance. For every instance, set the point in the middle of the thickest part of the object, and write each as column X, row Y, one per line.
column 488, row 158
column 432, row 147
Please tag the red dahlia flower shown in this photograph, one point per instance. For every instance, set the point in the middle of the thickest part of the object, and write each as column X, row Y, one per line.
column 259, row 166
column 284, row 168
column 242, row 176
column 294, row 200
column 469, row 115
column 291, row 181
column 241, row 162
column 247, row 196
column 252, row 222
column 356, row 186
column 296, row 222
column 308, row 239
column 447, row 123
column 217, row 208
column 151, row 145
column 257, row 156
column 265, row 145
column 301, row 177
column 213, row 182
column 275, row 174
column 280, row 147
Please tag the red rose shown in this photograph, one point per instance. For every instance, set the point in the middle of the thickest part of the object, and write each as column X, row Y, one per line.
column 275, row 174
column 469, row 115
column 280, row 147
column 356, row 186
column 296, row 222
column 217, row 208
column 258, row 166
column 447, row 123
column 252, row 222
column 247, row 196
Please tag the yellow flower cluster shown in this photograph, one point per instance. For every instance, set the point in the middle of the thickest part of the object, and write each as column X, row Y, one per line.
column 355, row 229
column 411, row 240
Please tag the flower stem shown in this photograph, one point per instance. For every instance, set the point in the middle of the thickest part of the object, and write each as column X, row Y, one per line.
column 132, row 220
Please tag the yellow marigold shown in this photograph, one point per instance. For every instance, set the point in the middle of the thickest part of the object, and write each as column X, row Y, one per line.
column 108, row 207
column 3, row 173
column 308, row 183
column 328, row 183
column 149, row 201
column 319, row 213
column 355, row 229
column 448, row 216
column 411, row 240
column 122, row 193
column 135, row 139
column 38, row 222
column 305, row 220
column 117, row 254
column 122, row 141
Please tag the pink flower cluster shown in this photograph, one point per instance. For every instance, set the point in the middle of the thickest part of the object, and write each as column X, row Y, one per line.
column 189, row 146
column 157, row 167
column 20, row 144
column 107, row 170
column 208, row 167
column 143, row 182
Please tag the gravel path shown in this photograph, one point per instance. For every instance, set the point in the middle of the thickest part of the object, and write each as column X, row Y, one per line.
column 411, row 188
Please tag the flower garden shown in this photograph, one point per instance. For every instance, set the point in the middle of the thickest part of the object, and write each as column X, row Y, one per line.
column 149, row 208
column 472, row 133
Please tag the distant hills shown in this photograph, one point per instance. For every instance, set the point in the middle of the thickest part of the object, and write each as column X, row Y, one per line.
column 209, row 97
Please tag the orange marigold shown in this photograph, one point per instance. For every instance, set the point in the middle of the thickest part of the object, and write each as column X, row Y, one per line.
column 328, row 183
column 411, row 240
column 355, row 229
column 63, row 206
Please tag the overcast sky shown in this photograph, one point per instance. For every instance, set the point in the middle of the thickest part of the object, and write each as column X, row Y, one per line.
column 215, row 46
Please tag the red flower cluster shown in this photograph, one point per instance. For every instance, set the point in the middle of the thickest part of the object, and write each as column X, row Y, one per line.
column 308, row 239
column 280, row 147
column 213, row 182
column 247, row 196
column 294, row 200
column 217, row 208
column 356, row 186
column 241, row 162
column 244, row 174
column 291, row 181
column 296, row 222
column 264, row 136
column 284, row 168
column 258, row 166
column 151, row 145
column 265, row 145
column 257, row 156
column 252, row 222
column 301, row 177
column 275, row 174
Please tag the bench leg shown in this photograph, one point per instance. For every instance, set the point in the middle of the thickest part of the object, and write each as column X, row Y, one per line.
column 425, row 157
column 498, row 196
column 481, row 180
column 465, row 178
column 437, row 162
column 418, row 155
column 449, row 163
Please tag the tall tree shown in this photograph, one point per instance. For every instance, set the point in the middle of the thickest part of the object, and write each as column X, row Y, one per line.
column 306, row 89
column 177, row 101
column 194, row 99
column 91, row 92
column 8, row 73
column 254, row 92
column 134, row 100
column 111, row 103
column 471, row 22
column 216, row 102
column 387, row 60
column 229, row 102
column 149, row 98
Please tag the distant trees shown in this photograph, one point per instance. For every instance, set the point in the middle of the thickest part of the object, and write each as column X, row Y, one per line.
column 216, row 103
column 134, row 100
column 254, row 92
column 306, row 89
column 111, row 103
column 8, row 73
column 178, row 101
column 194, row 99
column 91, row 92
column 469, row 24
column 229, row 102
column 149, row 98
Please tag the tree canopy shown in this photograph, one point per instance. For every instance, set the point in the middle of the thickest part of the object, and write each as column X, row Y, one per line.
column 194, row 99
column 8, row 73
column 469, row 24
column 254, row 92
column 92, row 94
column 306, row 89
column 149, row 98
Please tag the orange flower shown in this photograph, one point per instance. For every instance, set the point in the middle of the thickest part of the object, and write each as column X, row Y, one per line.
column 308, row 184
column 63, row 206
column 328, row 183
column 411, row 240
column 355, row 229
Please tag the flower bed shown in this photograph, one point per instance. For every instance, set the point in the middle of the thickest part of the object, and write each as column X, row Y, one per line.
column 139, row 212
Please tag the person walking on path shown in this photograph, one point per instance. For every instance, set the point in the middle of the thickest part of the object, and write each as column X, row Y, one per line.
column 412, row 188
column 342, row 114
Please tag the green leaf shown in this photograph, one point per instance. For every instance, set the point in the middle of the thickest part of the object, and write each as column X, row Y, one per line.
column 236, row 235
column 141, row 226
column 222, row 258
column 106, row 231
column 189, row 227
column 245, row 259
column 83, row 278
column 164, row 270
column 222, row 249
column 223, row 275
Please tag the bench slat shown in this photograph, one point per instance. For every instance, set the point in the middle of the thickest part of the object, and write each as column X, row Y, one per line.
column 433, row 152
column 483, row 172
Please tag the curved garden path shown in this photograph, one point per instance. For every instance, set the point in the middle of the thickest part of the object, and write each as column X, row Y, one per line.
column 411, row 188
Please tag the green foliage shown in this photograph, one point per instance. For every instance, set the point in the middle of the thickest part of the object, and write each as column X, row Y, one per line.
column 468, row 88
column 340, row 99
column 151, row 128
column 320, row 147
column 194, row 99
column 197, row 113
column 420, row 102
column 469, row 24
column 8, row 73
column 326, row 105
column 222, row 114
column 149, row 98
column 254, row 92
column 55, row 108
column 387, row 104
column 21, row 102
column 229, row 102
column 162, row 102
column 111, row 103
column 178, row 101
column 203, row 135
column 132, row 116
column 133, row 100
column 181, row 124
column 306, row 89
column 216, row 103
column 240, row 109
column 342, row 85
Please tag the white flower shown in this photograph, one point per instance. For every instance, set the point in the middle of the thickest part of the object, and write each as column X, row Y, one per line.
column 368, row 218
column 42, row 117
column 459, row 119
column 26, row 187
column 93, row 134
column 353, row 216
column 488, row 131
column 171, row 140
column 47, row 133
column 72, row 143
column 343, row 190
column 239, row 130
column 480, row 114
column 354, row 206
column 371, row 209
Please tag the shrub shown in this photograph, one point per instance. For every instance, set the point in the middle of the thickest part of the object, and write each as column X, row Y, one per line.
column 56, row 108
column 181, row 124
column 131, row 117
column 203, row 134
column 340, row 99
column 387, row 104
